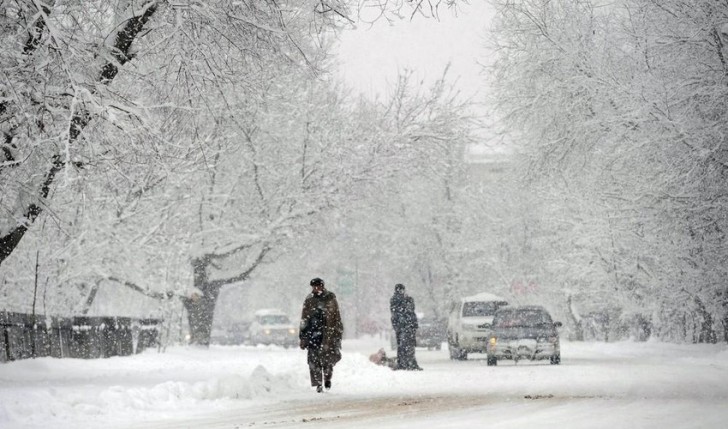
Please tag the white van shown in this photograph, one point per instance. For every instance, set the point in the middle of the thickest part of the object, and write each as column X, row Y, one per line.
column 272, row 326
column 469, row 324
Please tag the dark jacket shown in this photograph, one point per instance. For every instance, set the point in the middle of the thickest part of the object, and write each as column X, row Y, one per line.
column 321, row 324
column 402, row 308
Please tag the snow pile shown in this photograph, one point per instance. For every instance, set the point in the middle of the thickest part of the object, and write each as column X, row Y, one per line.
column 68, row 390
column 172, row 394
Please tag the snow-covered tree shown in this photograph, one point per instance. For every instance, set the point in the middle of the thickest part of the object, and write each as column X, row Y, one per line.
column 71, row 96
column 621, row 109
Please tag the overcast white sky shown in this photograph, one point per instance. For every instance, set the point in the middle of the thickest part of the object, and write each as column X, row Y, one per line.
column 371, row 56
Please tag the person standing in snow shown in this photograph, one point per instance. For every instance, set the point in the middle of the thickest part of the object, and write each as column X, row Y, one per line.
column 404, row 323
column 320, row 333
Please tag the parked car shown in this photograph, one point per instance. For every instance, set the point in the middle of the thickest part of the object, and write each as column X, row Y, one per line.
column 234, row 334
column 525, row 332
column 272, row 326
column 469, row 324
column 431, row 333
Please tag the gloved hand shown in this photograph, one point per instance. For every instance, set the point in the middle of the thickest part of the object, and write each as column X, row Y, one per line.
column 303, row 344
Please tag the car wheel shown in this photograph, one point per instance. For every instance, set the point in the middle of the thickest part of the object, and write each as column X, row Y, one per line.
column 555, row 359
column 451, row 347
column 454, row 352
column 492, row 360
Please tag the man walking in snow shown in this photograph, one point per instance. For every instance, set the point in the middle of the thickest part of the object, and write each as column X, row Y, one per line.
column 321, row 331
column 404, row 323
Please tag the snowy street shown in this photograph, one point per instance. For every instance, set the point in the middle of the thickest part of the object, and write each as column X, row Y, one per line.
column 330, row 173
column 636, row 385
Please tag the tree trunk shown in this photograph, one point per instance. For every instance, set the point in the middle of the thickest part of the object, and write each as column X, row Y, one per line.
column 578, row 327
column 707, row 333
column 201, row 308
column 200, row 311
column 724, row 299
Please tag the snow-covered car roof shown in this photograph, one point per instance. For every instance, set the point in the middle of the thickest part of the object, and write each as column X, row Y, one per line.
column 270, row 312
column 483, row 296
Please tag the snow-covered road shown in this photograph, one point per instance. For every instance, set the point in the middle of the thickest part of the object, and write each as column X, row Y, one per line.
column 619, row 385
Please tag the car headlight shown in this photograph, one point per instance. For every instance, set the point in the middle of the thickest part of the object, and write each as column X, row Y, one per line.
column 291, row 331
column 266, row 331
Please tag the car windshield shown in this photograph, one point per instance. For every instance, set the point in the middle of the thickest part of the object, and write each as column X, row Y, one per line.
column 479, row 309
column 521, row 318
column 274, row 319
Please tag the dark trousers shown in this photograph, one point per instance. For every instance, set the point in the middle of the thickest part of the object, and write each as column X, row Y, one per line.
column 406, row 349
column 319, row 366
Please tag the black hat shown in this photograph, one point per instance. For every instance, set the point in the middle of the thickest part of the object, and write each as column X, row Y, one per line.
column 399, row 287
column 317, row 282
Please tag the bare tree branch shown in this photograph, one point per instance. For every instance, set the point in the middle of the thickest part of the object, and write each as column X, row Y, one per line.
column 145, row 292
column 80, row 119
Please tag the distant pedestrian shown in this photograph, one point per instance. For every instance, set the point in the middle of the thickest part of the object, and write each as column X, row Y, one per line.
column 404, row 323
column 321, row 331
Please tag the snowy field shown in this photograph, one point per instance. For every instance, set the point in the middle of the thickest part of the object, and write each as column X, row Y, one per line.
column 620, row 385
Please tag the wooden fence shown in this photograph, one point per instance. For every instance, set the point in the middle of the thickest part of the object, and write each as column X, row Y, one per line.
column 24, row 336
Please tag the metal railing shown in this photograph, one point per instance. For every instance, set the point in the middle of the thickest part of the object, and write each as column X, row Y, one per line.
column 24, row 336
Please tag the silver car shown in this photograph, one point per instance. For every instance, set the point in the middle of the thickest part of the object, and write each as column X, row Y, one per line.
column 272, row 326
column 525, row 332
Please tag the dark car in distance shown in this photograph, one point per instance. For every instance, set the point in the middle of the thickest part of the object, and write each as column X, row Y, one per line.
column 432, row 332
column 524, row 332
column 234, row 334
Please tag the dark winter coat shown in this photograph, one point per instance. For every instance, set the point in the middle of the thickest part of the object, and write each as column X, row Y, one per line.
column 321, row 325
column 402, row 308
